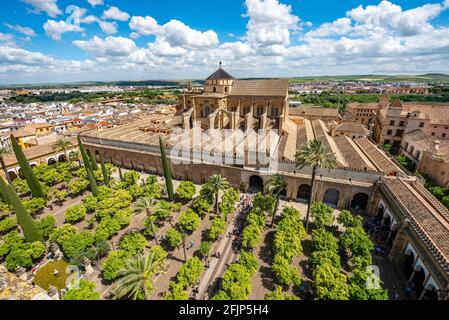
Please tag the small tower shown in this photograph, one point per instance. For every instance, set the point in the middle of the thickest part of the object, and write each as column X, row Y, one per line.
column 219, row 82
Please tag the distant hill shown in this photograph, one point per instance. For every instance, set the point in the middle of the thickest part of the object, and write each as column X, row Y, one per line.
column 145, row 83
column 428, row 78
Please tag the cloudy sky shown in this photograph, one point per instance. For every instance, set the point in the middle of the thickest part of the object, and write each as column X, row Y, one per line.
column 77, row 40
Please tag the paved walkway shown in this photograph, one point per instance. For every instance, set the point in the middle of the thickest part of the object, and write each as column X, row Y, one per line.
column 218, row 266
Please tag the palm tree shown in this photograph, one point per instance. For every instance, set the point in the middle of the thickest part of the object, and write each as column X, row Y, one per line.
column 4, row 152
column 217, row 183
column 315, row 155
column 75, row 156
column 276, row 186
column 136, row 278
column 62, row 145
column 147, row 205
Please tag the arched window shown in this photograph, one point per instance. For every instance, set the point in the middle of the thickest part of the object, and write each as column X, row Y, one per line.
column 215, row 89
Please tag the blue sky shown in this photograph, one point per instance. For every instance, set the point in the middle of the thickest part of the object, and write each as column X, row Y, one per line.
column 172, row 39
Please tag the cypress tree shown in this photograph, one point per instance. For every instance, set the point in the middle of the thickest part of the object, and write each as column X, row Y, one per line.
column 93, row 183
column 167, row 172
column 4, row 192
column 105, row 171
column 30, row 177
column 93, row 161
column 86, row 161
column 29, row 228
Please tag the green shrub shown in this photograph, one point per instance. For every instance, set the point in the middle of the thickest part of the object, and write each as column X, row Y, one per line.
column 35, row 205
column 20, row 186
column 85, row 291
column 8, row 224
column 322, row 214
column 75, row 213
column 37, row 250
column 202, row 206
column 190, row 272
column 115, row 261
column 189, row 221
column 173, row 238
column 90, row 203
column 218, row 228
column 19, row 256
column 77, row 244
column 186, row 191
column 249, row 261
column 107, row 228
column 205, row 248
column 176, row 292
column 133, row 243
column 347, row 219
column 78, row 187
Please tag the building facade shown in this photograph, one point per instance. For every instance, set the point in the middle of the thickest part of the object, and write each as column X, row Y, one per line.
column 228, row 103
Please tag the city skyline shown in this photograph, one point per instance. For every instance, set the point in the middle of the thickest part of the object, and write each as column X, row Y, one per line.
column 50, row 41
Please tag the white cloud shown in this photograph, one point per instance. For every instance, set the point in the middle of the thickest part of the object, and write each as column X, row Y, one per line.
column 55, row 29
column 367, row 39
column 23, row 57
column 389, row 15
column 270, row 23
column 114, row 13
column 24, row 30
column 7, row 39
column 162, row 48
column 95, row 3
column 108, row 27
column 107, row 47
column 175, row 33
column 338, row 27
column 144, row 25
column 48, row 6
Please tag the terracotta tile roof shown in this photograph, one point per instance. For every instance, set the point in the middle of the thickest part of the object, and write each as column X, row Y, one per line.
column 380, row 160
column 35, row 152
column 314, row 111
column 351, row 154
column 260, row 88
column 302, row 137
column 321, row 134
column 427, row 142
column 397, row 104
column 438, row 112
column 431, row 226
column 24, row 132
column 352, row 126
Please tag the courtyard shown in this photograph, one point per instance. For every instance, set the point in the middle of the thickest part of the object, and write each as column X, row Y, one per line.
column 187, row 232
